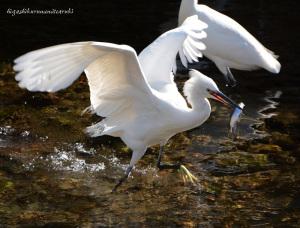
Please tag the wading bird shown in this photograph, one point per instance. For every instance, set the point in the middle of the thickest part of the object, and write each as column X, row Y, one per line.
column 228, row 44
column 137, row 95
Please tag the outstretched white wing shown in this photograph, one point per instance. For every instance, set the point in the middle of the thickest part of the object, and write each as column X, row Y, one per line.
column 114, row 74
column 158, row 59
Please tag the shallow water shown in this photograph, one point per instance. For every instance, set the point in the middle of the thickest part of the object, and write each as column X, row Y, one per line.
column 51, row 174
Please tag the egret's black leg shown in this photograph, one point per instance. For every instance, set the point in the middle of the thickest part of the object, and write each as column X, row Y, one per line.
column 229, row 78
column 160, row 166
column 184, row 171
column 123, row 179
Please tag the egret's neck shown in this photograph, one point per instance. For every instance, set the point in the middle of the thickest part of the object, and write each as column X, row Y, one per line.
column 199, row 113
column 197, row 98
column 200, row 104
column 187, row 8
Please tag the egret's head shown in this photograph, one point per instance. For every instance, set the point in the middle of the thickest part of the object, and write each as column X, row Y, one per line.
column 200, row 86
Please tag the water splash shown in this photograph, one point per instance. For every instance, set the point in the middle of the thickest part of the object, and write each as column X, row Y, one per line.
column 68, row 160
column 6, row 131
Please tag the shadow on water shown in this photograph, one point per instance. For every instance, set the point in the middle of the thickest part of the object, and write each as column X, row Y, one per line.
column 52, row 174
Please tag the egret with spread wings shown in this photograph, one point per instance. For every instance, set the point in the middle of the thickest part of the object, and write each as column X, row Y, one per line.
column 136, row 94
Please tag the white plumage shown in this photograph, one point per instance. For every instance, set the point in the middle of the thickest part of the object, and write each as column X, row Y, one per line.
column 228, row 44
column 136, row 95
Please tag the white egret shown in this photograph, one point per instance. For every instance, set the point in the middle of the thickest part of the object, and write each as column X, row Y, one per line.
column 137, row 95
column 228, row 44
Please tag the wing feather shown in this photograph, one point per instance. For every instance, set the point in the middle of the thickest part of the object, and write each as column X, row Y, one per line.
column 115, row 77
column 162, row 52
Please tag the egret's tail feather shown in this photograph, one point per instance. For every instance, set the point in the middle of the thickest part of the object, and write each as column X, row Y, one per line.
column 96, row 129
column 88, row 110
column 269, row 60
column 102, row 128
column 271, row 63
column 272, row 53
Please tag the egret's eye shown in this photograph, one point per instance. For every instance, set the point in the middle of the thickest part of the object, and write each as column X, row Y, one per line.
column 209, row 90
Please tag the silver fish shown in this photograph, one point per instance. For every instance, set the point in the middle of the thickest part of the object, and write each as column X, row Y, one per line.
column 234, row 118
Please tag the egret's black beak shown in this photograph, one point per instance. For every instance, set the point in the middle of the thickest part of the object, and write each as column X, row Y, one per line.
column 224, row 99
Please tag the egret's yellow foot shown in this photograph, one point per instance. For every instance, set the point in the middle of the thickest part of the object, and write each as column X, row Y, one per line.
column 187, row 176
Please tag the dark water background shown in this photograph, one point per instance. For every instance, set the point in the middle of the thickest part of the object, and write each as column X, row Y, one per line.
column 53, row 175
